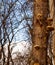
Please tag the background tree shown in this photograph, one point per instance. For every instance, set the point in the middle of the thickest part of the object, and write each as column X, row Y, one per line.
column 52, row 15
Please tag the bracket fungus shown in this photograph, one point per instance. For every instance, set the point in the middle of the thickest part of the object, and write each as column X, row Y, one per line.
column 36, row 64
column 37, row 47
column 49, row 21
column 50, row 28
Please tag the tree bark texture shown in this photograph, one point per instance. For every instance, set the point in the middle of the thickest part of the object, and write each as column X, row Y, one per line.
column 39, row 36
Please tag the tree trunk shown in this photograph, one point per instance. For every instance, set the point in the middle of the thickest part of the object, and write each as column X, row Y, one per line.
column 9, row 59
column 54, row 42
column 3, row 55
column 52, row 15
column 39, row 33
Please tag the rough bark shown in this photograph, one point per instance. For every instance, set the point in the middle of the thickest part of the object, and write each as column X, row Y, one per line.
column 39, row 36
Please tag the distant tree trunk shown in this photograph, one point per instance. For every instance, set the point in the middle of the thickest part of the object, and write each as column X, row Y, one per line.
column 0, row 44
column 54, row 34
column 52, row 15
column 54, row 42
column 39, row 33
column 8, row 56
column 9, row 59
column 3, row 56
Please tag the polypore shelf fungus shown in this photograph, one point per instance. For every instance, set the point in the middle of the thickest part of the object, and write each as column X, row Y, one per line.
column 37, row 47
column 36, row 64
column 50, row 28
column 49, row 21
